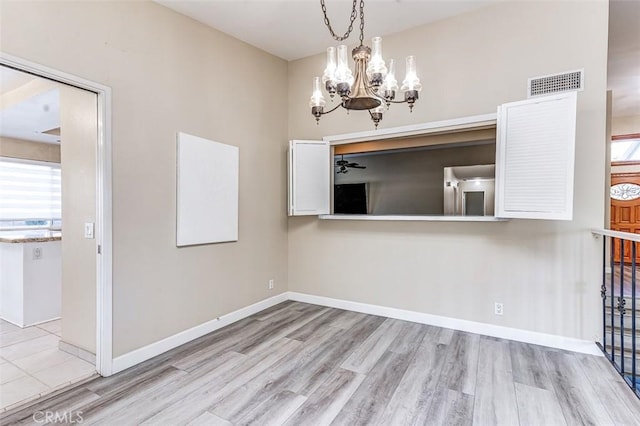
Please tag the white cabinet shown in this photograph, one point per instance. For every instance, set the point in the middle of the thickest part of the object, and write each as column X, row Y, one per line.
column 30, row 282
column 535, row 147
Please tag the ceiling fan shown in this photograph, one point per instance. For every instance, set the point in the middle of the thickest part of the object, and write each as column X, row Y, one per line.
column 343, row 165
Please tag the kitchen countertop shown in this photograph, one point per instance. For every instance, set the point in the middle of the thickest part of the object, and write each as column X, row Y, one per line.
column 30, row 236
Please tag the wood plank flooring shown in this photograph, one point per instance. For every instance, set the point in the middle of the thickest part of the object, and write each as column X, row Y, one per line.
column 299, row 364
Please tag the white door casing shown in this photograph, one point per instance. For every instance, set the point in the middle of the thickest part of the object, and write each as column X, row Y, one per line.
column 103, row 226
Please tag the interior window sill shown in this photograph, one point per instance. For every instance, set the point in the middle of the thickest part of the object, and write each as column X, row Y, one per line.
column 422, row 218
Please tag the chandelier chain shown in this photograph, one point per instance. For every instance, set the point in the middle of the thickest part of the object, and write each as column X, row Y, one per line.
column 361, row 22
column 354, row 15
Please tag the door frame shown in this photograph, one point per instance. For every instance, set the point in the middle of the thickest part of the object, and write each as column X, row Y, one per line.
column 103, row 234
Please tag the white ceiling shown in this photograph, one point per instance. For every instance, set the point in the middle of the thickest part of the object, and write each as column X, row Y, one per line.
column 487, row 171
column 29, row 119
column 293, row 29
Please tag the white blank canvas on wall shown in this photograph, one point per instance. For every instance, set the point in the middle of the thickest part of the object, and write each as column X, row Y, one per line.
column 207, row 191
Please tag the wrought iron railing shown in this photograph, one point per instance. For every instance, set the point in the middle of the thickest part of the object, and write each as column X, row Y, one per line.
column 619, row 311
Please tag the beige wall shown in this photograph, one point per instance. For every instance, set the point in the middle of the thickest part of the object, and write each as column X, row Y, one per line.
column 170, row 73
column 78, row 124
column 545, row 272
column 625, row 125
column 28, row 150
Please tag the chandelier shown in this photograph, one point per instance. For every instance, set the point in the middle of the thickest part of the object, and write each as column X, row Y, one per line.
column 372, row 87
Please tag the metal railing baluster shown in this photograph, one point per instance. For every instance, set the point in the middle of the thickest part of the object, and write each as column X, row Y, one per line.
column 603, row 293
column 626, row 348
column 621, row 310
column 633, row 314
column 611, row 297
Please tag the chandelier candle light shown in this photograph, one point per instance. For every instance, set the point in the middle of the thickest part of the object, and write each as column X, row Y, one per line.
column 374, row 86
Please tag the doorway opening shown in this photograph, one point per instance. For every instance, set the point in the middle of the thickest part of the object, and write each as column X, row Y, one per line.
column 624, row 190
column 624, row 204
column 474, row 203
column 55, row 327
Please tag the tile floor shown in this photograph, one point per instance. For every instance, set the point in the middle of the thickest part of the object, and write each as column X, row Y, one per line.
column 31, row 365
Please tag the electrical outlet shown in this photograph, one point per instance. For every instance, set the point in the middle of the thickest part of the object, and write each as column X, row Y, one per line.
column 498, row 310
column 271, row 284
column 37, row 253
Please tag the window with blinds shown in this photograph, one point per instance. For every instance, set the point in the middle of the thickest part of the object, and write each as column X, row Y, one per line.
column 30, row 193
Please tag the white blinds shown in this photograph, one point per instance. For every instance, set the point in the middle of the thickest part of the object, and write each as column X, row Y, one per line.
column 29, row 190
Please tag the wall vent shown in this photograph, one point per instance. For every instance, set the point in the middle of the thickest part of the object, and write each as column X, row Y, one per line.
column 556, row 83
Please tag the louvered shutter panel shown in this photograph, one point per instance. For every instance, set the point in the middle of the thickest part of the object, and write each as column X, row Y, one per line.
column 535, row 158
column 309, row 179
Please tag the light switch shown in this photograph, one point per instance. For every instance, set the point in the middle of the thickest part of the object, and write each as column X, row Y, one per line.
column 88, row 230
column 37, row 253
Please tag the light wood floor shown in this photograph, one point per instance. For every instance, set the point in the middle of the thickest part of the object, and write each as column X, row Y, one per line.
column 300, row 364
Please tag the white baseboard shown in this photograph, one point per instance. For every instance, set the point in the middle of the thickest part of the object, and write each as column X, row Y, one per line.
column 147, row 352
column 154, row 349
column 543, row 339
column 29, row 325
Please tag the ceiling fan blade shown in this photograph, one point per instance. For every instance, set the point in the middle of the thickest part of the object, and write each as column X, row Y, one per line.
column 358, row 167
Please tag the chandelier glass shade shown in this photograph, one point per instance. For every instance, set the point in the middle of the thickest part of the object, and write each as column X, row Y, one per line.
column 371, row 87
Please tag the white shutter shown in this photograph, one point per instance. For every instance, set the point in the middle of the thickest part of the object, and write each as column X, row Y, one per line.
column 29, row 190
column 309, row 167
column 535, row 157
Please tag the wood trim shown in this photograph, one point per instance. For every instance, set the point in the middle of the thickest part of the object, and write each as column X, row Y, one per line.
column 618, row 176
column 625, row 163
column 414, row 142
column 624, row 137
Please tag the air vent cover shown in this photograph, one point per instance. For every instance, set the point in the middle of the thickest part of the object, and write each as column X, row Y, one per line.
column 556, row 83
